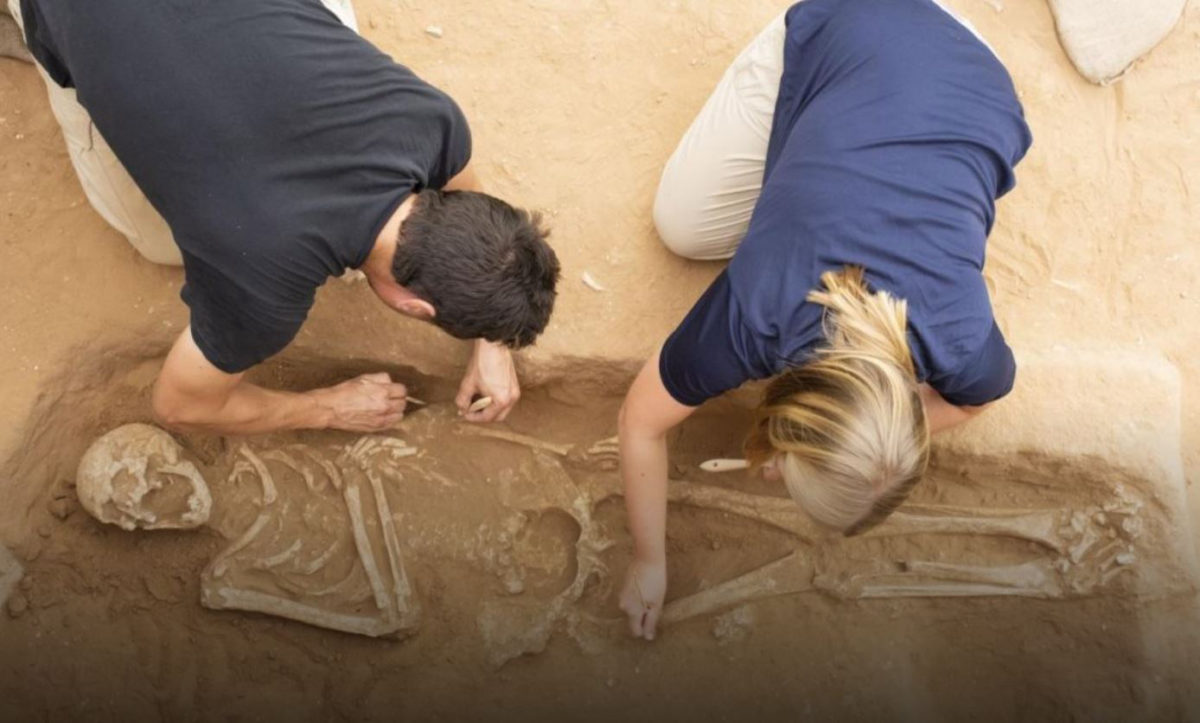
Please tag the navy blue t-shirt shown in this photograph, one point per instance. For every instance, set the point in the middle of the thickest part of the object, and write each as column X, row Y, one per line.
column 275, row 141
column 895, row 131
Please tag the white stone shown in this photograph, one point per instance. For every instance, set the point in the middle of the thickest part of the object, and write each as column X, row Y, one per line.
column 1104, row 37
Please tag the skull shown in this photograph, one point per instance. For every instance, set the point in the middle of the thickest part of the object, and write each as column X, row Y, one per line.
column 136, row 477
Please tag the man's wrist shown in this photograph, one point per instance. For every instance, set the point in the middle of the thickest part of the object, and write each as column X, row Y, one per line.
column 318, row 411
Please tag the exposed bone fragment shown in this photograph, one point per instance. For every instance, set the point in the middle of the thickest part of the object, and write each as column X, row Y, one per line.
column 1040, row 526
column 515, row 627
column 932, row 579
column 401, row 591
column 1082, row 562
column 292, row 560
column 778, row 512
column 604, row 454
column 480, row 404
column 136, row 477
column 562, row 450
column 591, row 282
column 231, row 598
column 786, row 576
column 362, row 542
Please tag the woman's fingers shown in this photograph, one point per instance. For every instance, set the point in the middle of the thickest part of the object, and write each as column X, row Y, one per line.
column 650, row 622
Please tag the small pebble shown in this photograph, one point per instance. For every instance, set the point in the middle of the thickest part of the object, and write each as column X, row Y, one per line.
column 434, row 31
column 60, row 508
column 17, row 605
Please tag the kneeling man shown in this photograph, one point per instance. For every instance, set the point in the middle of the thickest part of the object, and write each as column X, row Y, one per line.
column 266, row 146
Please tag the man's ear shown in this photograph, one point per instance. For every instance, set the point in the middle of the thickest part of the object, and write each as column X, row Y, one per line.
column 417, row 308
column 401, row 299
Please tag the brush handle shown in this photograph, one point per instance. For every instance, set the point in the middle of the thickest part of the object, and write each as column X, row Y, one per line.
column 724, row 465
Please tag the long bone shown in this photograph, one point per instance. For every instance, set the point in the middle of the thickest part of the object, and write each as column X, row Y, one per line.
column 937, row 579
column 561, row 450
column 786, row 576
column 1065, row 531
column 1045, row 578
column 775, row 511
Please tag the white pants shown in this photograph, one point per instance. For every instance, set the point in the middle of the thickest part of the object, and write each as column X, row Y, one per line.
column 713, row 179
column 107, row 184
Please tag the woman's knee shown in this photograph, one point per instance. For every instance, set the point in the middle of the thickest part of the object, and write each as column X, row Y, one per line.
column 677, row 225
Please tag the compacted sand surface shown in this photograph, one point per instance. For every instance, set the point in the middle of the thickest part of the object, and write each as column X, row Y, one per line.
column 575, row 106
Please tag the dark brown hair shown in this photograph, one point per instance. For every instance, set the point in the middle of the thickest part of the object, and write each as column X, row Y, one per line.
column 484, row 266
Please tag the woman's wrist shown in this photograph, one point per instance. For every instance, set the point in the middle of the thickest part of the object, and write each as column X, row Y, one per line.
column 650, row 554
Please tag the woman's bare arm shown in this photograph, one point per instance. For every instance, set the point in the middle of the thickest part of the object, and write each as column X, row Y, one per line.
column 648, row 414
column 943, row 415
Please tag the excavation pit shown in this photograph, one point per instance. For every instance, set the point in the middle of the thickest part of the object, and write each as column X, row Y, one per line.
column 1024, row 584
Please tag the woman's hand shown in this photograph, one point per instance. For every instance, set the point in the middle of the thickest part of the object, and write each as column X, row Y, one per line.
column 649, row 412
column 643, row 594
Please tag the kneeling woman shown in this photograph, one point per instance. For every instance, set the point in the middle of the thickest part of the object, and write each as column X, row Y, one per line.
column 848, row 162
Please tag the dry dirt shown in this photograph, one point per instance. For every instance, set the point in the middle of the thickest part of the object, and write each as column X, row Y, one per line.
column 575, row 106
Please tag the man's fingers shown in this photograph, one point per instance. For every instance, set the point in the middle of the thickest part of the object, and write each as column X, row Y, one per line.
column 377, row 377
column 397, row 391
column 483, row 416
column 463, row 399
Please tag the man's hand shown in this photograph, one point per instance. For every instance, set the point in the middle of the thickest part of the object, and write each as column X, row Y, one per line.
column 369, row 403
column 491, row 373
column 642, row 596
column 192, row 394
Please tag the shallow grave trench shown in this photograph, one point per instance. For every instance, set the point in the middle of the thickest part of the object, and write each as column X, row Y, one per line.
column 1009, row 588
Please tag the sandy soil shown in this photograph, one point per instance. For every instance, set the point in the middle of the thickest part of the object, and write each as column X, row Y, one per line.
column 575, row 106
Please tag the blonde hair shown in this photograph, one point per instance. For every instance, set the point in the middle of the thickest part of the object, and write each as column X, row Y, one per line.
column 848, row 427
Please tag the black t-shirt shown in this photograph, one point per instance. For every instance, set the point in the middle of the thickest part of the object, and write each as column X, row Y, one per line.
column 274, row 140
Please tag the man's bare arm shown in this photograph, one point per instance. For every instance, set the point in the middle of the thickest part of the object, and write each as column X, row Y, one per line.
column 192, row 394
column 465, row 180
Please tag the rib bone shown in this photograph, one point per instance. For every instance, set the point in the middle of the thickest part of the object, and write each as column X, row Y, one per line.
column 285, row 561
